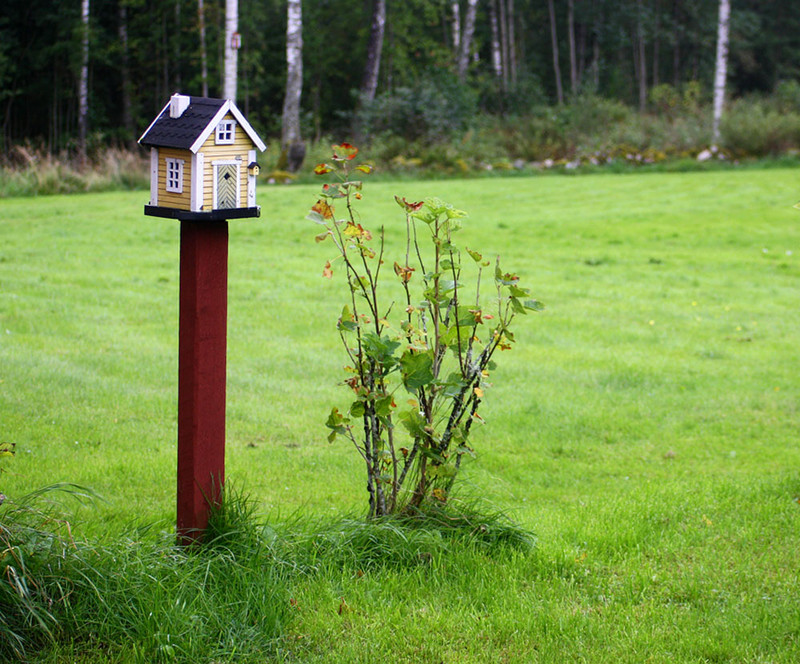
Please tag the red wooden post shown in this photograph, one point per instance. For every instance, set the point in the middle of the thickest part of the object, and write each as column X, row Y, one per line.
column 201, row 373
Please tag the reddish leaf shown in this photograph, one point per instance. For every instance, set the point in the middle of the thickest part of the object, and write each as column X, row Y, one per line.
column 323, row 209
column 327, row 272
column 409, row 207
column 344, row 152
column 321, row 169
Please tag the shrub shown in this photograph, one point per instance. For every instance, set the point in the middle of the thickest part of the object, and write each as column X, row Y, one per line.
column 437, row 107
column 436, row 352
column 752, row 127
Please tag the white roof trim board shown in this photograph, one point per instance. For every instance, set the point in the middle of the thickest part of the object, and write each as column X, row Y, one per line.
column 227, row 107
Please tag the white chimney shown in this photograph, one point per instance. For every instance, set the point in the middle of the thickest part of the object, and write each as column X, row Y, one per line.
column 178, row 104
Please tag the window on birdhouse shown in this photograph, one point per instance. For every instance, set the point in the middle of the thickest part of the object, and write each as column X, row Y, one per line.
column 226, row 131
column 175, row 175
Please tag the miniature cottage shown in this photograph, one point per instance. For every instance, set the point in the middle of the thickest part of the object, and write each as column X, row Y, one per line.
column 202, row 160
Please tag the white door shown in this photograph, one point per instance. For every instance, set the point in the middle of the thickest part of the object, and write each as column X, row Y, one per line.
column 226, row 185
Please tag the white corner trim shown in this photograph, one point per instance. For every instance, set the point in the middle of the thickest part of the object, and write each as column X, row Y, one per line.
column 251, row 180
column 153, row 176
column 198, row 164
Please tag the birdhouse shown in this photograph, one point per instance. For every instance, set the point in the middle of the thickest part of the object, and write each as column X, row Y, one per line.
column 202, row 161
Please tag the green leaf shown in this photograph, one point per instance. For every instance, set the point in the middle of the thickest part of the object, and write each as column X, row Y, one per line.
column 383, row 406
column 474, row 255
column 413, row 422
column 316, row 217
column 357, row 408
column 516, row 305
column 346, row 321
column 533, row 305
column 417, row 369
column 516, row 291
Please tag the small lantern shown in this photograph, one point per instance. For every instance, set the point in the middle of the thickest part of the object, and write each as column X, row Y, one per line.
column 253, row 168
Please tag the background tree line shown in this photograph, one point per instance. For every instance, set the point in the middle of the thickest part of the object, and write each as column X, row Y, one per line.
column 440, row 62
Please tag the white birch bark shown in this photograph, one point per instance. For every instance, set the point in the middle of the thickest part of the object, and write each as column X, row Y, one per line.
column 290, row 134
column 466, row 38
column 497, row 56
column 721, row 69
column 455, row 10
column 83, row 86
column 369, row 84
column 201, row 24
column 231, row 53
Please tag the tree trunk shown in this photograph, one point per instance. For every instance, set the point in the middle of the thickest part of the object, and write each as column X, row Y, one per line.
column 504, row 42
column 641, row 57
column 127, row 116
column 455, row 11
column 201, row 25
column 721, row 68
column 598, row 19
column 292, row 146
column 554, row 39
column 676, row 46
column 512, row 43
column 656, row 43
column 497, row 56
column 466, row 38
column 573, row 65
column 231, row 47
column 83, row 89
column 369, row 84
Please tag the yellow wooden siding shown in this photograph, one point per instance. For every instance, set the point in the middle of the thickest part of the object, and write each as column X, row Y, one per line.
column 213, row 152
column 170, row 199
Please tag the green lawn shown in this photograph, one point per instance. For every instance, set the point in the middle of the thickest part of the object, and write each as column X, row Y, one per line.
column 645, row 426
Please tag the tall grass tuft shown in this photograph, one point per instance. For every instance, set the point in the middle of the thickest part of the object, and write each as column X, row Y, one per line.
column 28, row 171
column 153, row 599
column 407, row 540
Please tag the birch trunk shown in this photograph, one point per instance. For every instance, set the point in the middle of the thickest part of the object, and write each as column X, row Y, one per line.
column 83, row 86
column 201, row 25
column 721, row 69
column 466, row 38
column 374, row 48
column 455, row 10
column 292, row 148
column 497, row 58
column 554, row 39
column 231, row 49
column 504, row 42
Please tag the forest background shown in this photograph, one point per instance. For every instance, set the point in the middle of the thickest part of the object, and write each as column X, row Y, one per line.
column 571, row 82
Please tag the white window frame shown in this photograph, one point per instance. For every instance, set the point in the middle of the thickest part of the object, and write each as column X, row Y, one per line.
column 226, row 132
column 173, row 175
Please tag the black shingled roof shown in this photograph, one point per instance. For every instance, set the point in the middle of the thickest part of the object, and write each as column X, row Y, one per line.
column 182, row 132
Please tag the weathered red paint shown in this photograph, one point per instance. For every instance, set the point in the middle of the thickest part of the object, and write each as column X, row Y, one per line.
column 202, row 354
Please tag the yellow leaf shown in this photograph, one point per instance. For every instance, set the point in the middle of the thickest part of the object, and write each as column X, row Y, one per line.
column 478, row 392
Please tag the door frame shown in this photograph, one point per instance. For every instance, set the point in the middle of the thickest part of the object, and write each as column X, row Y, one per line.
column 215, row 170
